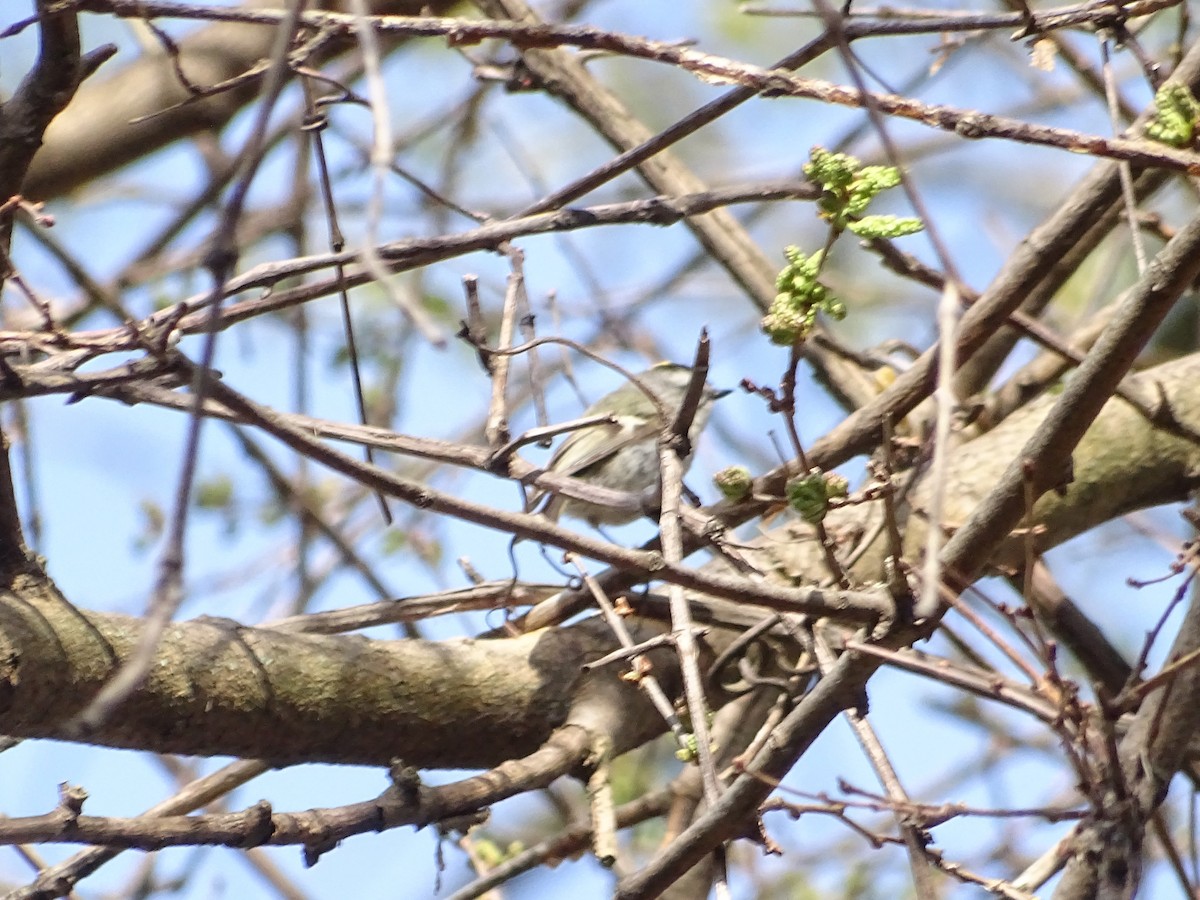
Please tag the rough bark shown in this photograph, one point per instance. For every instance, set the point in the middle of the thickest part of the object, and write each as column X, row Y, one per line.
column 220, row 688
column 143, row 106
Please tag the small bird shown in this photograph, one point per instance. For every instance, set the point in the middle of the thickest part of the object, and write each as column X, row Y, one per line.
column 623, row 455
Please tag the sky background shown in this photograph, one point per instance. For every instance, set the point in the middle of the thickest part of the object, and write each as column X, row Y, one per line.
column 98, row 466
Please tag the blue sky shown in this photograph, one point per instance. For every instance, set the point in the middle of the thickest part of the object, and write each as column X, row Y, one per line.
column 97, row 462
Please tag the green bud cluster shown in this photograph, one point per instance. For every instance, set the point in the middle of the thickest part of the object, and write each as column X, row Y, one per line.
column 1176, row 114
column 734, row 482
column 809, row 495
column 690, row 751
column 801, row 296
column 848, row 188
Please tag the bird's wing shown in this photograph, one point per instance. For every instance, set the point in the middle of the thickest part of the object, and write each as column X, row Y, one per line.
column 573, row 457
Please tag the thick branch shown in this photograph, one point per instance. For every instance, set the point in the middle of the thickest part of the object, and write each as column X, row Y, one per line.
column 220, row 688
column 1123, row 463
column 144, row 106
column 216, row 688
column 43, row 93
column 1150, row 446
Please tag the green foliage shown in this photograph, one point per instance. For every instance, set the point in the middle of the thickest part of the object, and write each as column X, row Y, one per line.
column 801, row 296
column 1176, row 114
column 734, row 482
column 394, row 542
column 154, row 520
column 215, row 493
column 809, row 495
column 492, row 854
column 885, row 226
column 848, row 189
column 690, row 751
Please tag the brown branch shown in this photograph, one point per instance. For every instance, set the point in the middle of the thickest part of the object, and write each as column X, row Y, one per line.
column 965, row 554
column 407, row 802
column 966, row 123
column 138, row 109
column 644, row 565
column 58, row 880
column 1033, row 265
column 1044, row 463
column 188, row 316
column 571, row 839
column 42, row 95
column 295, row 697
column 541, row 35
column 1106, row 854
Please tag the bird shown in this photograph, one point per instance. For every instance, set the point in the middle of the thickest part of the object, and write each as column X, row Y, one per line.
column 622, row 454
